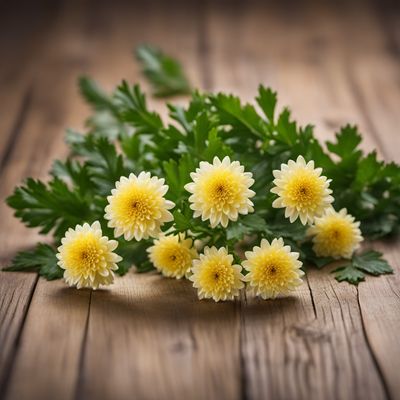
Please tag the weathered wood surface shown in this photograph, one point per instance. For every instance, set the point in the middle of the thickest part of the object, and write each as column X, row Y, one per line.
column 148, row 337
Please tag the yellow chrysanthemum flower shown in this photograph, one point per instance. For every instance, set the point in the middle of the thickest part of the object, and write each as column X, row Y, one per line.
column 336, row 234
column 87, row 257
column 214, row 275
column 137, row 207
column 302, row 191
column 172, row 255
column 220, row 191
column 272, row 269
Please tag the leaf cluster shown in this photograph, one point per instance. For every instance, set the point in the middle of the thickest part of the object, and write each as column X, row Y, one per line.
column 124, row 136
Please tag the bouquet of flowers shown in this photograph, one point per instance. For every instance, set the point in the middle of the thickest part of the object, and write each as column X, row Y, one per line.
column 224, row 194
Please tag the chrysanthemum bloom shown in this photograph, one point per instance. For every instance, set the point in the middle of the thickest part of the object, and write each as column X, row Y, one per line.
column 137, row 207
column 336, row 234
column 220, row 191
column 272, row 269
column 302, row 191
column 215, row 276
column 87, row 257
column 172, row 255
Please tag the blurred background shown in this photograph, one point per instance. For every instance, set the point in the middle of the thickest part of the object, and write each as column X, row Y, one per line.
column 319, row 50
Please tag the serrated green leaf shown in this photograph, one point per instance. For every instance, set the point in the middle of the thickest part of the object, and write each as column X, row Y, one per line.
column 237, row 231
column 76, row 174
column 181, row 221
column 244, row 118
column 41, row 259
column 349, row 274
column 267, row 100
column 132, row 109
column 52, row 207
column 215, row 147
column 372, row 262
column 95, row 96
column 163, row 72
column 286, row 129
column 347, row 140
column 368, row 170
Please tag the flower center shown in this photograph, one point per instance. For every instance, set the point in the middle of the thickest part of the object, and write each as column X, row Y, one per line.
column 85, row 254
column 90, row 256
column 221, row 188
column 222, row 193
column 139, row 209
column 273, row 269
column 337, row 234
column 217, row 276
column 136, row 204
column 175, row 258
column 304, row 190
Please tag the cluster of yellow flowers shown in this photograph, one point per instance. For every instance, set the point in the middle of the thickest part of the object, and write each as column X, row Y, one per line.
column 220, row 191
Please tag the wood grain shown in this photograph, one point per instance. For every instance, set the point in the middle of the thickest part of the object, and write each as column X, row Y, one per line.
column 36, row 142
column 51, row 343
column 157, row 339
column 16, row 291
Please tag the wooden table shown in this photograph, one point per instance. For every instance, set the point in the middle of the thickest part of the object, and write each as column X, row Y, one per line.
column 148, row 337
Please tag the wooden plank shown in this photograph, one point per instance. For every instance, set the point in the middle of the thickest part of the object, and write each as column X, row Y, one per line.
column 16, row 292
column 51, row 77
column 379, row 300
column 47, row 363
column 300, row 64
column 151, row 337
column 373, row 67
column 17, row 46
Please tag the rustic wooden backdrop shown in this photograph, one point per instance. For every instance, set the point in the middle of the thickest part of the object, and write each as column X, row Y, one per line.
column 148, row 337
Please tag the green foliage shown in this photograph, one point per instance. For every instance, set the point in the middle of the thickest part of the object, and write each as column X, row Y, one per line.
column 51, row 207
column 164, row 73
column 41, row 259
column 125, row 136
column 370, row 262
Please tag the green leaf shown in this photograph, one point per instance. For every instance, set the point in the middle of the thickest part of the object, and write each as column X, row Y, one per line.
column 215, row 147
column 370, row 262
column 76, row 174
column 41, row 259
column 52, row 207
column 237, row 231
column 145, row 266
column 347, row 141
column 244, row 118
column 267, row 100
column 132, row 109
column 201, row 130
column 94, row 95
column 103, row 163
column 181, row 221
column 286, row 129
column 255, row 222
column 349, row 274
column 246, row 225
column 163, row 72
column 368, row 170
